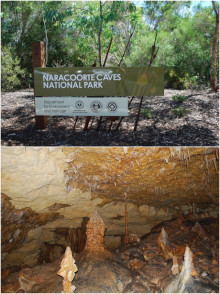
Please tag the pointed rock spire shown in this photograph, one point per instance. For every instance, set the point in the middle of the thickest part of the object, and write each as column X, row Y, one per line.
column 67, row 271
column 164, row 244
column 175, row 267
column 199, row 230
column 95, row 230
column 188, row 266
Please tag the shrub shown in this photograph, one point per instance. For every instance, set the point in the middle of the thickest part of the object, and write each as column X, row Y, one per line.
column 11, row 73
column 147, row 113
column 179, row 111
column 179, row 98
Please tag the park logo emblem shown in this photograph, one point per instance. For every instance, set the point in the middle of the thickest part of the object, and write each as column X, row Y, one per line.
column 79, row 104
column 112, row 106
column 96, row 106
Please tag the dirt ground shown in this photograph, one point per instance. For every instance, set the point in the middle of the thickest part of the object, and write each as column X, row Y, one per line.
column 198, row 127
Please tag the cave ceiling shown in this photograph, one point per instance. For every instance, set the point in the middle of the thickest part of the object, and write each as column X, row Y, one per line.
column 159, row 177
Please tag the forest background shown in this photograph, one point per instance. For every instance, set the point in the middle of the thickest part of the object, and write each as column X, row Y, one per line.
column 182, row 37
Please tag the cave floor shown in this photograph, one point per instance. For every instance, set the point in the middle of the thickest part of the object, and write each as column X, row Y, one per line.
column 138, row 267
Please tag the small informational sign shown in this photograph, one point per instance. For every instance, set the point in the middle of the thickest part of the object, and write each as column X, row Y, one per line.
column 80, row 81
column 81, row 106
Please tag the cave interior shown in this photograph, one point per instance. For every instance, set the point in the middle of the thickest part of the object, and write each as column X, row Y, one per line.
column 117, row 219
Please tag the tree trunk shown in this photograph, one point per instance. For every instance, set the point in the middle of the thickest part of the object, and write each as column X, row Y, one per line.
column 126, row 47
column 46, row 39
column 213, row 79
column 99, row 35
column 106, row 57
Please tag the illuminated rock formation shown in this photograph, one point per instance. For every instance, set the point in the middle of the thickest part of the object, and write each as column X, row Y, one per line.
column 67, row 271
column 95, row 230
column 184, row 282
column 188, row 266
column 165, row 245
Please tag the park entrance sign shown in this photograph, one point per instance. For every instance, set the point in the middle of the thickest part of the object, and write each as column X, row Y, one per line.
column 65, row 91
column 102, row 82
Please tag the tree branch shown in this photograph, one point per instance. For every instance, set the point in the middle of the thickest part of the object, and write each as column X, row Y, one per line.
column 215, row 9
column 129, row 40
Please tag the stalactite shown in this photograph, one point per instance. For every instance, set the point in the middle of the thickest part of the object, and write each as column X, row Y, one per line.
column 67, row 271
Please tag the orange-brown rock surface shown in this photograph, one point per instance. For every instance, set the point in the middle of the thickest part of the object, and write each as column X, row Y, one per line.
column 95, row 230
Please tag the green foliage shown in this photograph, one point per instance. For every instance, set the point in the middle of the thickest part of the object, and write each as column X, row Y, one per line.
column 11, row 73
column 184, row 39
column 147, row 113
column 180, row 111
column 179, row 98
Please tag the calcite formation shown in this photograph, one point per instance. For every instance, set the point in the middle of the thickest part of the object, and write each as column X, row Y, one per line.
column 165, row 244
column 67, row 271
column 188, row 266
column 175, row 267
column 95, row 230
column 184, row 282
column 199, row 229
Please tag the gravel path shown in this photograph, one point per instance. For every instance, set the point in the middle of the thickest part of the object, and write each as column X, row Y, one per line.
column 198, row 127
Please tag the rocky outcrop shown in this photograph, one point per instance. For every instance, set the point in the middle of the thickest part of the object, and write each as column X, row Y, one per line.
column 17, row 222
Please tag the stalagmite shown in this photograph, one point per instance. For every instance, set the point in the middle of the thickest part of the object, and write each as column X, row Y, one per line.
column 199, row 230
column 67, row 271
column 95, row 230
column 175, row 267
column 164, row 244
column 184, row 282
column 188, row 266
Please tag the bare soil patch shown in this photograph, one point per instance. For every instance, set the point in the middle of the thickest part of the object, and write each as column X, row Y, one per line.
column 198, row 127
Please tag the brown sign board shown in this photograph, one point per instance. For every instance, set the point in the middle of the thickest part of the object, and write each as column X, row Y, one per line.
column 94, row 81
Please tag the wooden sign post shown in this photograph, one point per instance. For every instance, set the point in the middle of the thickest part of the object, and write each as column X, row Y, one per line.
column 38, row 60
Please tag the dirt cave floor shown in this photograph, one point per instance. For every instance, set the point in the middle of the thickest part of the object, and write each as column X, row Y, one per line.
column 197, row 127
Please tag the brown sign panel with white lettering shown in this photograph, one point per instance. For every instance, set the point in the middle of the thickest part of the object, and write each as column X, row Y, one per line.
column 61, row 81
